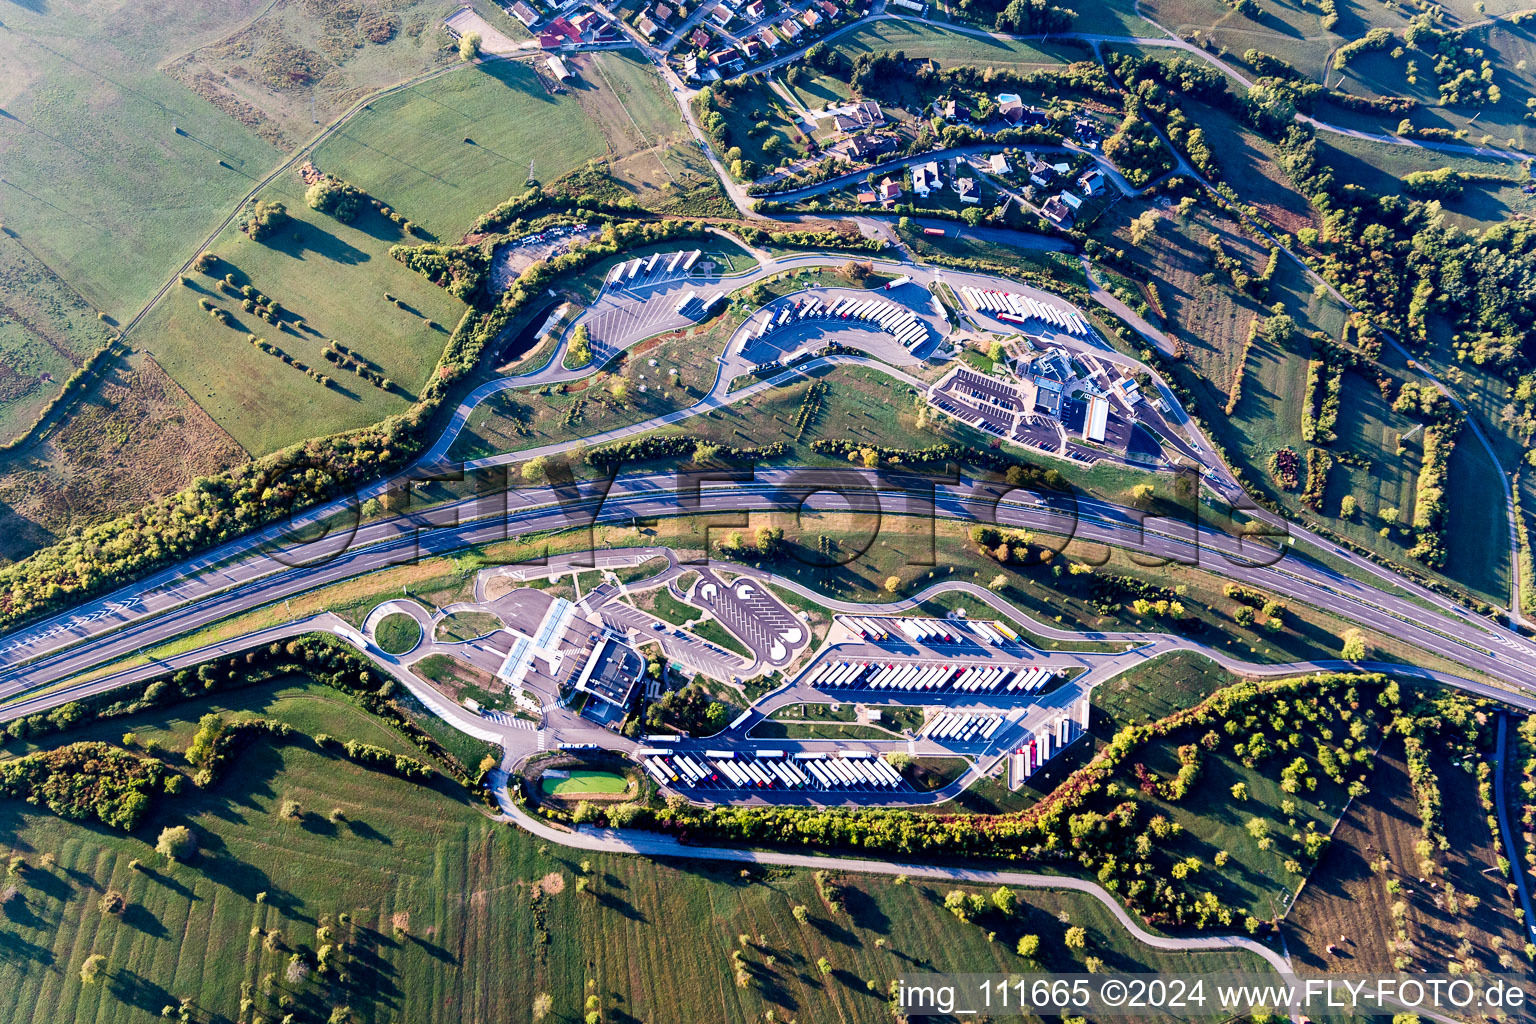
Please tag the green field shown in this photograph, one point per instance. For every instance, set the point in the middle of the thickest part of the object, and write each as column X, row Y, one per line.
column 334, row 276
column 754, row 114
column 1157, row 688
column 1211, row 320
column 434, row 899
column 715, row 633
column 467, row 626
column 410, row 148
column 46, row 330
column 295, row 66
column 951, row 46
column 533, row 417
column 409, row 151
column 112, row 168
column 577, row 783
column 815, row 90
column 1379, row 166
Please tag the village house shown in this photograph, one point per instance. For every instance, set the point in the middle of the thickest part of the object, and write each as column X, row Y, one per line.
column 926, row 179
column 525, row 14
column 1057, row 212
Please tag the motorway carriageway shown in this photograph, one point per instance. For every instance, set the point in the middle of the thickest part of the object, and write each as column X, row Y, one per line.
column 224, row 591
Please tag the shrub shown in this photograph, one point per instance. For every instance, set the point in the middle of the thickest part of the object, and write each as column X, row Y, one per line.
column 177, row 843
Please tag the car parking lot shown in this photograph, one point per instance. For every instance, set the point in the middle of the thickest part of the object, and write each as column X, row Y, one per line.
column 693, row 654
column 649, row 295
column 720, row 771
column 750, row 611
column 514, row 257
column 898, row 326
column 995, row 406
column 911, row 660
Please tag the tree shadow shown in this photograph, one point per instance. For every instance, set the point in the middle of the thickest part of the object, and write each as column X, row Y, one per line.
column 130, row 987
column 363, row 830
column 314, row 824
column 14, row 947
column 18, row 911
column 622, row 907
column 49, row 884
column 371, row 976
column 865, row 912
column 833, row 931
column 170, row 883
column 140, row 919
column 313, row 239
column 433, row 950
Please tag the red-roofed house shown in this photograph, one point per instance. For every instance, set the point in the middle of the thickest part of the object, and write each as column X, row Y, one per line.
column 700, row 38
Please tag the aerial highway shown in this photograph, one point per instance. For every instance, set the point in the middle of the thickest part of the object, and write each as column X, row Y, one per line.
column 285, row 559
column 158, row 611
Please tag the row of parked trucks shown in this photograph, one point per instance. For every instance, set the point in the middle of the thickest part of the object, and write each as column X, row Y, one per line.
column 1041, row 745
column 960, row 727
column 1018, row 309
column 866, row 675
column 639, row 270
column 897, row 321
column 770, row 769
column 930, row 631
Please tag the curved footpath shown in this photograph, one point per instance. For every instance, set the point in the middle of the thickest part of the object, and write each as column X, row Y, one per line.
column 653, row 844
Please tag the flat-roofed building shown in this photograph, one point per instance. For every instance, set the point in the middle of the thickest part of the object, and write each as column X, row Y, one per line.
column 1096, row 419
column 612, row 673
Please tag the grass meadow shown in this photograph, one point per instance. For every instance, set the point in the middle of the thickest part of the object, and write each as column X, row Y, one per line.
column 1212, row 323
column 408, row 150
column 46, row 331
column 112, row 169
column 450, row 916
column 950, row 46
column 333, row 276
column 296, row 66
column 447, row 150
